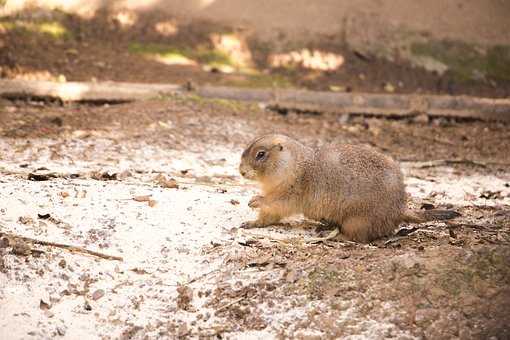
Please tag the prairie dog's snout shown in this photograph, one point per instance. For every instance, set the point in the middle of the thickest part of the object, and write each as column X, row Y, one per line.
column 245, row 170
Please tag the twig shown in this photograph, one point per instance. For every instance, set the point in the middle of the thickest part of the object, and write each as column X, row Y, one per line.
column 394, row 239
column 441, row 162
column 468, row 225
column 233, row 302
column 63, row 246
column 201, row 276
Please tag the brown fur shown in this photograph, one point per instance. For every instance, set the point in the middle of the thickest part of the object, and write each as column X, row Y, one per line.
column 351, row 186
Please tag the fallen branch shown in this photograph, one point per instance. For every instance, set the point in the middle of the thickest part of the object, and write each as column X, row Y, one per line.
column 453, row 225
column 376, row 104
column 84, row 91
column 195, row 279
column 443, row 162
column 61, row 245
column 233, row 302
column 394, row 239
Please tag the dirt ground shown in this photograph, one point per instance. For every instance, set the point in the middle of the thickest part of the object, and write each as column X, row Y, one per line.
column 98, row 176
column 160, row 48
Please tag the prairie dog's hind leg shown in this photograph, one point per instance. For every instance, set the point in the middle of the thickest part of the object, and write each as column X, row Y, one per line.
column 357, row 229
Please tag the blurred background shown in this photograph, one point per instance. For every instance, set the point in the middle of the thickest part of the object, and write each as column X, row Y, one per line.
column 401, row 46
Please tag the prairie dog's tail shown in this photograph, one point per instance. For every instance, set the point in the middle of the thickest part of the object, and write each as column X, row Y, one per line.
column 420, row 216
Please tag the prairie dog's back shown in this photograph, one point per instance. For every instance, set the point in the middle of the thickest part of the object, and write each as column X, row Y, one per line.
column 348, row 180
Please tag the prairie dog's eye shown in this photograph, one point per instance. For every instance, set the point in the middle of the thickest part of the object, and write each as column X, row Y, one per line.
column 260, row 155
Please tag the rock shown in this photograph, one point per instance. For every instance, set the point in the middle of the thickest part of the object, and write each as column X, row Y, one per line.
column 388, row 87
column 98, row 294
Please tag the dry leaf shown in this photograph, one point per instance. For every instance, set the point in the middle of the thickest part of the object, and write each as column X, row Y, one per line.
column 261, row 261
column 103, row 176
column 165, row 182
column 44, row 305
column 25, row 220
column 142, row 198
column 139, row 271
column 184, row 297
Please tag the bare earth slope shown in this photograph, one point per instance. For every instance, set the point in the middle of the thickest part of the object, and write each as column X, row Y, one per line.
column 188, row 270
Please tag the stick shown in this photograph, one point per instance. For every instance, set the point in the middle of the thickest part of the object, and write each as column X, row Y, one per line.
column 468, row 225
column 389, row 105
column 441, row 162
column 201, row 276
column 63, row 246
column 231, row 303
column 394, row 239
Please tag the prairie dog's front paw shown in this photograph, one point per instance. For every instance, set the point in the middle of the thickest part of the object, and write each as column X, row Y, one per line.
column 249, row 225
column 256, row 202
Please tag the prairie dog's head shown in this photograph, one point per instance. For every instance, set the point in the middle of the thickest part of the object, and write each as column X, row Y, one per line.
column 269, row 159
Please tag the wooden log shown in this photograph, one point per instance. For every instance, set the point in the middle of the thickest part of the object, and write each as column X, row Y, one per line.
column 84, row 91
column 488, row 109
column 370, row 103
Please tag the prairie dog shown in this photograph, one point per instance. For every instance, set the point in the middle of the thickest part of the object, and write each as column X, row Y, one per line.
column 355, row 188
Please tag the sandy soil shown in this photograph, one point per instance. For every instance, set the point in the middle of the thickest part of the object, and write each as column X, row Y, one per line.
column 188, row 271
